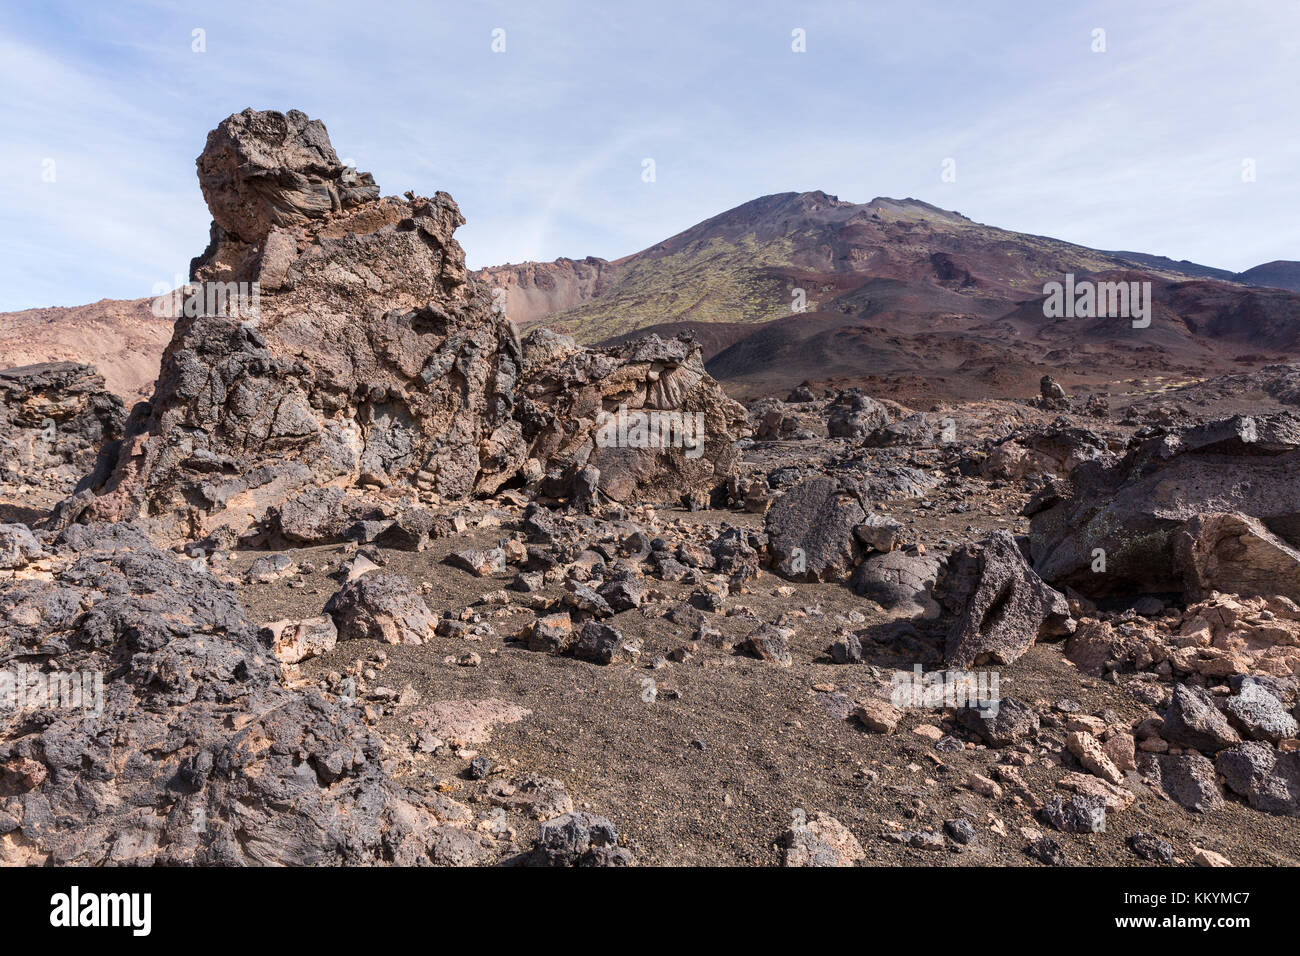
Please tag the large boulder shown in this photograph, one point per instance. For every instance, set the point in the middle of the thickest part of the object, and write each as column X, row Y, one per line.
column 1269, row 780
column 172, row 738
column 644, row 419
column 999, row 605
column 811, row 531
column 1115, row 528
column 854, row 415
column 899, row 581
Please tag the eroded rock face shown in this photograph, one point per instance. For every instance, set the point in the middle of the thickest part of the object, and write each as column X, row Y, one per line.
column 1137, row 510
column 1000, row 605
column 54, row 418
column 369, row 361
column 185, row 747
column 1236, row 554
column 260, row 170
column 645, row 416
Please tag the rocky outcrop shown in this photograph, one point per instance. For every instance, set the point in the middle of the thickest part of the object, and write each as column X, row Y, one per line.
column 1116, row 528
column 1236, row 554
column 54, row 419
column 645, row 416
column 182, row 746
column 359, row 355
column 999, row 605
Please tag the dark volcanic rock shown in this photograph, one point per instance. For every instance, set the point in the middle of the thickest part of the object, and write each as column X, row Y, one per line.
column 1013, row 723
column 55, row 418
column 198, row 754
column 18, row 547
column 854, row 415
column 1192, row 720
column 643, row 421
column 1081, row 813
column 1270, row 781
column 1188, row 780
column 899, row 581
column 1000, row 605
column 579, row 839
column 1151, row 848
column 810, row 531
column 1258, row 714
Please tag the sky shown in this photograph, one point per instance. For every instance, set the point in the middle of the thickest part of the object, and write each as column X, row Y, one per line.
column 1173, row 131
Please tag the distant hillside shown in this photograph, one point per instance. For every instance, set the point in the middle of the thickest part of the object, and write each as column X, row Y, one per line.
column 893, row 293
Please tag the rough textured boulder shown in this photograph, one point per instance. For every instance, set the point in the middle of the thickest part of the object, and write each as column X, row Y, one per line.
column 1192, row 720
column 811, row 531
column 900, row 582
column 1012, row 723
column 645, row 416
column 54, row 419
column 1236, row 554
column 578, row 839
column 1000, row 605
column 18, row 547
column 854, row 415
column 1270, row 781
column 382, row 607
column 1258, row 713
column 1188, row 780
column 1131, row 514
column 1053, row 451
column 192, row 751
column 262, row 170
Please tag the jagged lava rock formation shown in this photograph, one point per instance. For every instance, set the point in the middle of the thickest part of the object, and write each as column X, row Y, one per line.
column 54, row 417
column 372, row 360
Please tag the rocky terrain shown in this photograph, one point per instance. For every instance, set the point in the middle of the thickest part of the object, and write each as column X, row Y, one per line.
column 371, row 579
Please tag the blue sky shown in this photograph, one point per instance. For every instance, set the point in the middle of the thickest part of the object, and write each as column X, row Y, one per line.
column 1139, row 147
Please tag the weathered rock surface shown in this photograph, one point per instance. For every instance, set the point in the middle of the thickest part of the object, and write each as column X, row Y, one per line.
column 54, row 419
column 1192, row 720
column 579, row 839
column 381, row 607
column 811, row 532
column 899, row 582
column 370, row 360
column 1000, row 605
column 198, row 754
column 1188, row 780
column 1235, row 554
column 646, row 416
column 1136, row 509
column 1270, row 781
